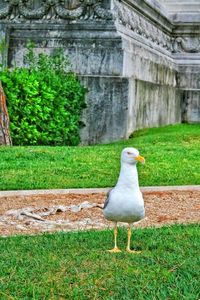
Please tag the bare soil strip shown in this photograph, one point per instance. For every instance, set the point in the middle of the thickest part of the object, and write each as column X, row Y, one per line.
column 32, row 214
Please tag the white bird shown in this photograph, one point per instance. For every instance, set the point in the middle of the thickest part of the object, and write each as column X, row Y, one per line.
column 124, row 202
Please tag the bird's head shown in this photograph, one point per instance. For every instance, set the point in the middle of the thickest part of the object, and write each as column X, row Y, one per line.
column 131, row 156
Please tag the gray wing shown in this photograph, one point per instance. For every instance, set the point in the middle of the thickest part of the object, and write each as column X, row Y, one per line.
column 107, row 198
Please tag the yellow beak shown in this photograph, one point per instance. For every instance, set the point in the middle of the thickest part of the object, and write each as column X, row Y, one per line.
column 140, row 159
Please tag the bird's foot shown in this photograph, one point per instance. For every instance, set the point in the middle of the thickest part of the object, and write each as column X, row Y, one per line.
column 114, row 250
column 132, row 251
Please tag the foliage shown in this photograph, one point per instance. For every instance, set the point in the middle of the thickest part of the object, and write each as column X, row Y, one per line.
column 76, row 265
column 172, row 156
column 44, row 100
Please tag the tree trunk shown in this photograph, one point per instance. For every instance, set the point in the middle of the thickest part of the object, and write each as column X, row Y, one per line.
column 5, row 138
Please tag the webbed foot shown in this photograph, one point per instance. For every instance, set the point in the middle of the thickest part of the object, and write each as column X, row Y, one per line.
column 132, row 251
column 114, row 250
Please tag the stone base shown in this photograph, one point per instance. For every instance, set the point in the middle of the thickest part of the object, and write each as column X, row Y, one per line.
column 153, row 105
column 117, row 106
column 191, row 106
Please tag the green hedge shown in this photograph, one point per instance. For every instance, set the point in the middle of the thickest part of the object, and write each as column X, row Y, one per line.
column 44, row 100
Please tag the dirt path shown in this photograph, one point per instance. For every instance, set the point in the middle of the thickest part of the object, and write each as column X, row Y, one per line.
column 50, row 213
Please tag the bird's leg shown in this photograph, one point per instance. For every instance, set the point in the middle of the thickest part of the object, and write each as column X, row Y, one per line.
column 128, row 249
column 115, row 249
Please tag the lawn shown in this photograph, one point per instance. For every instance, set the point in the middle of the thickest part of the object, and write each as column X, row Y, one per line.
column 77, row 265
column 172, row 158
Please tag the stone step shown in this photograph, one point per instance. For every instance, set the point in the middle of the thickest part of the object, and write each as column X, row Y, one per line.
column 187, row 2
column 182, row 6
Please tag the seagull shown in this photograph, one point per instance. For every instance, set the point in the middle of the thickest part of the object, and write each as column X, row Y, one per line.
column 124, row 203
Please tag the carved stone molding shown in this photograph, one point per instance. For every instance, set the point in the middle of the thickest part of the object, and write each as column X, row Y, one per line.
column 53, row 9
column 186, row 45
column 141, row 26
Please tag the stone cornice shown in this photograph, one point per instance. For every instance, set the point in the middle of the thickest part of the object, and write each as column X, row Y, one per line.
column 146, row 21
column 129, row 22
column 17, row 10
column 152, row 10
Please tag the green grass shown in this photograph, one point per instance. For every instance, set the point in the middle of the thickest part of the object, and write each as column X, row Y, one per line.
column 77, row 266
column 172, row 158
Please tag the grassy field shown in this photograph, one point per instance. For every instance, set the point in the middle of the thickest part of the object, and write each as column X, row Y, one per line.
column 77, row 266
column 172, row 158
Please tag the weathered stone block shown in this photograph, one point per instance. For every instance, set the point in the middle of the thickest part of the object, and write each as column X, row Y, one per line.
column 106, row 114
column 191, row 106
column 152, row 105
column 90, row 51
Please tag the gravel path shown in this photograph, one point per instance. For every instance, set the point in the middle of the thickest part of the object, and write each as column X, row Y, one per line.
column 36, row 213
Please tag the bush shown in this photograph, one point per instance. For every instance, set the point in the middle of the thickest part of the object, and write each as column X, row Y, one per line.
column 44, row 100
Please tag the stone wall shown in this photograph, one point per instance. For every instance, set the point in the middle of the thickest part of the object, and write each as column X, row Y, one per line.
column 141, row 68
column 107, row 109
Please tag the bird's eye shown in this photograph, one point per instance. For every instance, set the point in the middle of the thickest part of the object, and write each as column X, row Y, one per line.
column 129, row 153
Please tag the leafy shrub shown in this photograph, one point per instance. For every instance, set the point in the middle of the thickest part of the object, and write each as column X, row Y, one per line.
column 44, row 100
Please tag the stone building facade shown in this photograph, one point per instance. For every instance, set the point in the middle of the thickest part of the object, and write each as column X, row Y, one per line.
column 140, row 59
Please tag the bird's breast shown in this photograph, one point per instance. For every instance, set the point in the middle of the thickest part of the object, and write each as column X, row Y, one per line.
column 125, row 206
